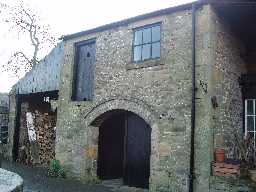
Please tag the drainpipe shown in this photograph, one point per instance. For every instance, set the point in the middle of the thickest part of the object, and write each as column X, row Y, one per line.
column 193, row 107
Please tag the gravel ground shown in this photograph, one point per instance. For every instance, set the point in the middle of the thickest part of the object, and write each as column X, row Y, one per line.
column 35, row 180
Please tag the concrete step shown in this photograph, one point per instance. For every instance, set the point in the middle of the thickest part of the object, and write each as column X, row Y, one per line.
column 116, row 185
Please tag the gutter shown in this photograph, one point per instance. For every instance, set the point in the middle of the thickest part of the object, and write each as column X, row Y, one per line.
column 193, row 106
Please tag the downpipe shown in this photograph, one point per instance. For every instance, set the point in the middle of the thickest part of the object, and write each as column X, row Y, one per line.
column 193, row 107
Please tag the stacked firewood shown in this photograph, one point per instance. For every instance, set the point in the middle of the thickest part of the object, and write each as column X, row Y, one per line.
column 45, row 131
column 43, row 149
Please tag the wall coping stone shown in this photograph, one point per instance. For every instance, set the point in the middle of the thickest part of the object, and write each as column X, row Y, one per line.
column 10, row 182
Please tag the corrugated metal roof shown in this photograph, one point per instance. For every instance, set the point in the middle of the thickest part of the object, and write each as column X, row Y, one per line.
column 45, row 75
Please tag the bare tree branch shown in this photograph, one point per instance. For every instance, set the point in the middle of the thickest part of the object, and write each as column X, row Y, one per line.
column 14, row 63
column 24, row 21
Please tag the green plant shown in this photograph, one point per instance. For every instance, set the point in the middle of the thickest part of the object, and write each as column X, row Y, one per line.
column 245, row 150
column 55, row 169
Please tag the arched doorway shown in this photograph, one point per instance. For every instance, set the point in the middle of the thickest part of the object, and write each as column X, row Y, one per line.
column 124, row 148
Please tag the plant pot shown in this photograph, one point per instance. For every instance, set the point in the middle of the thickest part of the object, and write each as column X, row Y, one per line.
column 252, row 174
column 219, row 155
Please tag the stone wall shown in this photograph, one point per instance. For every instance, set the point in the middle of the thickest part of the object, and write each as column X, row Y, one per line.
column 4, row 109
column 205, row 44
column 4, row 117
column 12, row 122
column 159, row 91
column 218, row 69
column 228, row 67
column 4, row 100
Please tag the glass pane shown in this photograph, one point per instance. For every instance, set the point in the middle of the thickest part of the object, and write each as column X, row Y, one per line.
column 156, row 33
column 249, row 107
column 146, row 51
column 147, row 35
column 250, row 123
column 137, row 53
column 138, row 37
column 156, row 50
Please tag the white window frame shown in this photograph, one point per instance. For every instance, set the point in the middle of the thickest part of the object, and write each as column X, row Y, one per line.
column 254, row 119
column 150, row 26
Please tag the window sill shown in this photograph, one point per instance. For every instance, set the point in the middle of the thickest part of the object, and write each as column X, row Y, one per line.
column 81, row 103
column 145, row 64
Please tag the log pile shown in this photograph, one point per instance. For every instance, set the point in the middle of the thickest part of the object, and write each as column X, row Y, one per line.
column 43, row 150
column 45, row 130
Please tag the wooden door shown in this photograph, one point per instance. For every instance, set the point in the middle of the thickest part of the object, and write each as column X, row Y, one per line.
column 85, row 58
column 111, row 148
column 138, row 149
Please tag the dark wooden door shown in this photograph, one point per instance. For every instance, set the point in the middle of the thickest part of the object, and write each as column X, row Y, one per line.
column 111, row 148
column 85, row 58
column 138, row 149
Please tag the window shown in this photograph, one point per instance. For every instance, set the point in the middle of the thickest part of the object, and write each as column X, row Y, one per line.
column 250, row 117
column 146, row 43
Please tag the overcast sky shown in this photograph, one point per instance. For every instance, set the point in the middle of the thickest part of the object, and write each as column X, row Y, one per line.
column 66, row 17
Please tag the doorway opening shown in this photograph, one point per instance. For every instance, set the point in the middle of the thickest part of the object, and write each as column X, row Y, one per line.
column 35, row 129
column 239, row 22
column 124, row 148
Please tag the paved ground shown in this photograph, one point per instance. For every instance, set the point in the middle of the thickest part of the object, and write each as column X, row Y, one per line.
column 36, row 180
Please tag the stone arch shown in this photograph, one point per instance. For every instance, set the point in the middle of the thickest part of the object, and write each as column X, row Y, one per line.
column 137, row 107
column 94, row 118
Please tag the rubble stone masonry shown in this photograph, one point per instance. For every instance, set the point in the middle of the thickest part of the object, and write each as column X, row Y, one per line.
column 159, row 91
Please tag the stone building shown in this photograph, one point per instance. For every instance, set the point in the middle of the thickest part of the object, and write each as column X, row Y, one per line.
column 4, row 109
column 148, row 99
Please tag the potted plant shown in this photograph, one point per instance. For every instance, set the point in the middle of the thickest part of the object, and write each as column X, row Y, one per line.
column 219, row 155
column 251, row 158
column 245, row 151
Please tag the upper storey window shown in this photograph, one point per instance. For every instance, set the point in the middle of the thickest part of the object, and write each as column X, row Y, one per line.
column 146, row 43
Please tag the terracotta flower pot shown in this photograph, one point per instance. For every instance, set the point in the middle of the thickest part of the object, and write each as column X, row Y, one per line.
column 219, row 155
